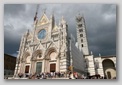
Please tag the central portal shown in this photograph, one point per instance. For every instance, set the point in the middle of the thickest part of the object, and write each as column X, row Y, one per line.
column 52, row 67
column 27, row 69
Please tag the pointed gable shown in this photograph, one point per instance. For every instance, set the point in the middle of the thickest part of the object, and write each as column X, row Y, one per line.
column 43, row 20
column 55, row 28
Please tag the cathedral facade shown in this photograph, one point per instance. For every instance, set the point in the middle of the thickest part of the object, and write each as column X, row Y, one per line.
column 45, row 49
column 49, row 48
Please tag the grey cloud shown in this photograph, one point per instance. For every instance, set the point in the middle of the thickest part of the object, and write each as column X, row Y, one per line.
column 14, row 9
column 111, row 9
column 100, row 22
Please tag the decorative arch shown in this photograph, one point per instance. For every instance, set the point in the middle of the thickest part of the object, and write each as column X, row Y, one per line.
column 25, row 55
column 108, row 63
column 109, row 68
column 50, row 51
column 36, row 53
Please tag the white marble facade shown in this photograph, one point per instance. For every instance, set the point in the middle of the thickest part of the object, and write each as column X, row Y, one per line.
column 47, row 48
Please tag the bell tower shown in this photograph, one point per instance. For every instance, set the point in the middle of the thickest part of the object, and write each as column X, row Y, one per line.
column 81, row 34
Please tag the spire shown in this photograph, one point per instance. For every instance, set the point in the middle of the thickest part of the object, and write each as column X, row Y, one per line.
column 36, row 21
column 99, row 55
column 91, row 53
column 53, row 20
column 52, row 16
column 28, row 31
column 63, row 20
column 59, row 23
column 35, row 18
column 44, row 11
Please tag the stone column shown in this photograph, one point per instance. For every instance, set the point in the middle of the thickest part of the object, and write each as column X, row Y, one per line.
column 17, row 70
column 22, row 68
column 32, row 69
column 57, row 65
column 46, row 66
column 43, row 66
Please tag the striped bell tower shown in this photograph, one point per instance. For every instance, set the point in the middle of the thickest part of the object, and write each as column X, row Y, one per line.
column 81, row 34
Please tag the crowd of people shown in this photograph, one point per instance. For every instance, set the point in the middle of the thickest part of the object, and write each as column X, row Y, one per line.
column 53, row 75
column 47, row 75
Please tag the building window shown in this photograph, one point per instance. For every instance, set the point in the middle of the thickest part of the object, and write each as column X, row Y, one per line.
column 40, row 55
column 81, row 35
column 81, row 40
column 80, row 30
column 80, row 25
column 82, row 45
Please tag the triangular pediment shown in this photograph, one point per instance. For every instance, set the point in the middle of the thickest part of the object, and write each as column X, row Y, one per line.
column 43, row 20
column 55, row 28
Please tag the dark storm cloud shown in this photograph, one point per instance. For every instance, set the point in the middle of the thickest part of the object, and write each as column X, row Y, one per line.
column 102, row 39
column 111, row 9
column 11, row 39
column 14, row 9
column 100, row 23
column 17, row 20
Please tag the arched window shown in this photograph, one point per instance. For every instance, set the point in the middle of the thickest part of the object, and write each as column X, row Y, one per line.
column 109, row 74
column 81, row 35
column 108, row 63
column 80, row 30
column 81, row 45
column 40, row 55
column 97, row 64
column 53, row 55
column 81, row 40
column 87, row 63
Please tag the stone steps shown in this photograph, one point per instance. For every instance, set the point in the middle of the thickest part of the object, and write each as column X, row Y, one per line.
column 27, row 78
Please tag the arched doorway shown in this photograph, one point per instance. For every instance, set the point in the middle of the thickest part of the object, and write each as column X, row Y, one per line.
column 38, row 67
column 52, row 67
column 36, row 63
column 109, row 68
column 27, row 64
column 51, row 60
column 25, row 68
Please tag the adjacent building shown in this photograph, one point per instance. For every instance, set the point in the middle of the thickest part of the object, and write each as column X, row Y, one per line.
column 106, row 66
column 9, row 65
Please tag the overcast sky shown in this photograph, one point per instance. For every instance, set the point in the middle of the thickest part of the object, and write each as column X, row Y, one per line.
column 100, row 24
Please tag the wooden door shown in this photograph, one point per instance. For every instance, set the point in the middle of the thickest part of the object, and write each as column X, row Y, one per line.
column 27, row 69
column 52, row 67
